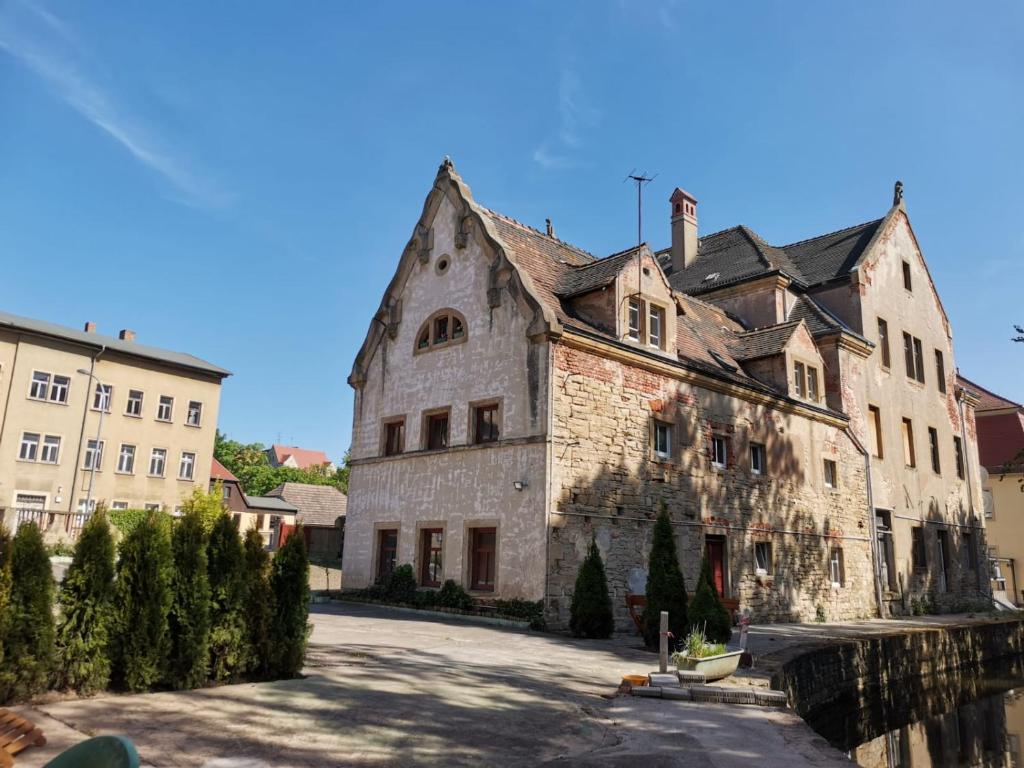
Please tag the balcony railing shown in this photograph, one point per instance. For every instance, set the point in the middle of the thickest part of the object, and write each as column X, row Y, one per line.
column 56, row 523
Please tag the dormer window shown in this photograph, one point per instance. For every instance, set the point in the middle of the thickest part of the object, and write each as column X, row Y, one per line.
column 443, row 329
column 656, row 327
column 805, row 382
column 635, row 308
column 645, row 323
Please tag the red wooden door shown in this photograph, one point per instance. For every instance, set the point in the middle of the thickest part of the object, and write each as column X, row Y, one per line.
column 715, row 550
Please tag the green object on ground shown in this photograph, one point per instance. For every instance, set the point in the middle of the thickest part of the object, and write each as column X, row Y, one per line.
column 98, row 752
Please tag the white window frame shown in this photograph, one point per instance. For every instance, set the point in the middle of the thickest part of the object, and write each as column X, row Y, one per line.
column 130, row 455
column 90, row 454
column 827, row 465
column 102, row 396
column 153, row 506
column 60, row 385
column 81, row 508
column 800, row 378
column 762, row 566
column 140, row 402
column 191, row 466
column 813, row 393
column 39, row 389
column 634, row 332
column 758, row 459
column 835, row 566
column 29, row 448
column 655, row 317
column 198, row 410
column 155, row 454
column 160, row 407
column 662, row 439
column 119, row 505
column 50, row 443
column 716, row 461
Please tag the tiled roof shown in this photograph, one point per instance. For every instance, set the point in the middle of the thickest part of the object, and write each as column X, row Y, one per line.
column 827, row 257
column 319, row 505
column 765, row 341
column 304, row 457
column 818, row 319
column 990, row 401
column 271, row 504
column 99, row 341
column 1000, row 438
column 596, row 274
column 219, row 472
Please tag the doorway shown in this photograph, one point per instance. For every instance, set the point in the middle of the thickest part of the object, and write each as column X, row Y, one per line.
column 714, row 550
column 943, row 537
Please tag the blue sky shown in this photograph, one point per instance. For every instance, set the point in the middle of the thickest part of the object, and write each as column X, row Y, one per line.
column 238, row 180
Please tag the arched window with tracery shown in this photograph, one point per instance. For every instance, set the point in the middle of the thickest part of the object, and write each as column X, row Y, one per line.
column 442, row 329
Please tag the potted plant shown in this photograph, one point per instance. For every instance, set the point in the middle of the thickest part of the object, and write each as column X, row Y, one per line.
column 713, row 660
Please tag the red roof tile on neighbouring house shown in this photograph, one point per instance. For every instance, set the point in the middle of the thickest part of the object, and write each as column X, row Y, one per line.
column 304, row 457
column 990, row 401
column 219, row 472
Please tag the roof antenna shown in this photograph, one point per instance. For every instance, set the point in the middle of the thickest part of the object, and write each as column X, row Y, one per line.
column 641, row 180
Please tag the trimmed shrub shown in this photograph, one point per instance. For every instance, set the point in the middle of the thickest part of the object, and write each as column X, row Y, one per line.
column 401, row 586
column 87, row 610
column 290, row 581
column 229, row 645
column 28, row 644
column 516, row 608
column 127, row 520
column 143, row 595
column 259, row 604
column 452, row 595
column 591, row 611
column 666, row 590
column 707, row 614
column 5, row 587
column 189, row 618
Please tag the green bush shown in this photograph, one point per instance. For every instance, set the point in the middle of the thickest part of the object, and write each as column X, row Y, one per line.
column 290, row 582
column 707, row 614
column 259, row 602
column 229, row 645
column 452, row 595
column 189, row 618
column 127, row 520
column 528, row 610
column 5, row 587
column 143, row 594
column 28, row 644
column 425, row 598
column 401, row 585
column 666, row 590
column 591, row 610
column 87, row 610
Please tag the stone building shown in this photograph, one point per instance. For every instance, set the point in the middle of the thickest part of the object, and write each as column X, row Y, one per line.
column 516, row 397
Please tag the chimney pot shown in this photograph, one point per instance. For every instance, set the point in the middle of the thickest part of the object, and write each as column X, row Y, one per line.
column 126, row 335
column 684, row 229
column 550, row 228
column 90, row 327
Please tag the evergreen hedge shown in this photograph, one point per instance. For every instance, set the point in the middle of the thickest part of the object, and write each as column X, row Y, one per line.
column 401, row 585
column 707, row 612
column 290, row 582
column 87, row 610
column 229, row 646
column 666, row 590
column 591, row 611
column 28, row 642
column 5, row 587
column 143, row 595
column 189, row 618
column 259, row 611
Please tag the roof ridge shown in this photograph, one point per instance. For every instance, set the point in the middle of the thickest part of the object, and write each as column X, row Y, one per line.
column 775, row 327
column 829, row 234
column 757, row 241
column 990, row 392
column 605, row 259
column 535, row 231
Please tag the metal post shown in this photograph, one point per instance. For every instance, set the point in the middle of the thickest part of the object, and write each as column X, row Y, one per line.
column 663, row 644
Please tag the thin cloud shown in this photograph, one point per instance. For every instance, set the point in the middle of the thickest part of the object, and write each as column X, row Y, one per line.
column 57, row 68
column 575, row 117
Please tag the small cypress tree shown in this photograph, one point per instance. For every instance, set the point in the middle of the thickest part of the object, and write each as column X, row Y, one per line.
column 290, row 582
column 143, row 594
column 5, row 587
column 591, row 611
column 87, row 610
column 229, row 647
column 666, row 590
column 706, row 611
column 189, row 618
column 28, row 645
column 259, row 611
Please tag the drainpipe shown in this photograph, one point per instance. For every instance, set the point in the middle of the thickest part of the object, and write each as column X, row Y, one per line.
column 872, row 524
column 81, row 432
column 967, row 455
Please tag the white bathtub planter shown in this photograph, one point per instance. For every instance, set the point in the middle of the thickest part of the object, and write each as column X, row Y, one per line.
column 713, row 660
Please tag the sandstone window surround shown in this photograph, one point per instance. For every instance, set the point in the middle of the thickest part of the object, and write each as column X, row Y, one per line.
column 444, row 328
column 485, row 421
column 393, row 435
column 435, row 429
column 883, row 343
column 758, row 459
column 646, row 323
column 837, row 567
column 805, row 381
column 831, row 474
column 661, row 440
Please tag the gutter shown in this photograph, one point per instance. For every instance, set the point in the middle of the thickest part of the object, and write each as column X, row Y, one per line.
column 872, row 523
column 81, row 432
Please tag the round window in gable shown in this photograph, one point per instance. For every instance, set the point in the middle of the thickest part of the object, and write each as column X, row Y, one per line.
column 442, row 264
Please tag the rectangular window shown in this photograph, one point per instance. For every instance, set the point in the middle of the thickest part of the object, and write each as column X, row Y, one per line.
column 101, row 398
column 634, row 319
column 485, row 423
column 662, row 440
column 94, row 455
column 831, row 476
column 157, row 462
column 909, row 457
column 29, row 446
column 763, row 558
column 657, row 324
column 757, row 459
column 387, row 552
column 394, row 437
column 940, row 371
column 875, row 431
column 908, row 355
column 153, row 507
column 886, row 554
column 933, row 446
column 719, row 452
column 906, row 276
column 119, row 505
column 225, row 492
column 195, row 413
column 917, row 552
column 441, row 330
column 483, row 543
column 970, row 553
column 437, row 431
column 40, row 385
column 59, row 389
column 431, row 556
column 883, row 342
column 799, row 380
column 919, row 361
column 836, row 567
column 165, row 408
column 812, row 384
column 958, row 448
column 84, row 506
column 51, row 449
column 187, row 466
column 126, row 459
column 134, row 405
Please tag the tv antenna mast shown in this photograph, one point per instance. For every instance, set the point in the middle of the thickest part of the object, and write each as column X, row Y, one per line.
column 641, row 180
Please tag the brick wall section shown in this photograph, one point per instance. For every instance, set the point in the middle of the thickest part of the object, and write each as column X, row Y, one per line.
column 606, row 484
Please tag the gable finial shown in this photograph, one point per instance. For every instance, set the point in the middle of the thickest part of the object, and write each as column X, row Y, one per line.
column 897, row 193
column 446, row 165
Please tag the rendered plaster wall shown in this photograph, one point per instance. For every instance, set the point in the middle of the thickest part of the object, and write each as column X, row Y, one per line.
column 607, row 484
column 1004, row 525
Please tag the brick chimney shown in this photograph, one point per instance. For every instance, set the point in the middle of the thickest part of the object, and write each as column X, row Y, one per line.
column 126, row 335
column 684, row 229
column 90, row 327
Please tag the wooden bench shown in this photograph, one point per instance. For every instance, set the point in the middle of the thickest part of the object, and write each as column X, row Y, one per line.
column 16, row 734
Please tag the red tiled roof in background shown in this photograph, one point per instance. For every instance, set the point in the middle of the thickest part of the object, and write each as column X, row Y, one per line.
column 990, row 401
column 304, row 458
column 1000, row 438
column 219, row 472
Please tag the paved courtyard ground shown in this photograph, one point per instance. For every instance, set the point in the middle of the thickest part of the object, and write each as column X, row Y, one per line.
column 390, row 688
